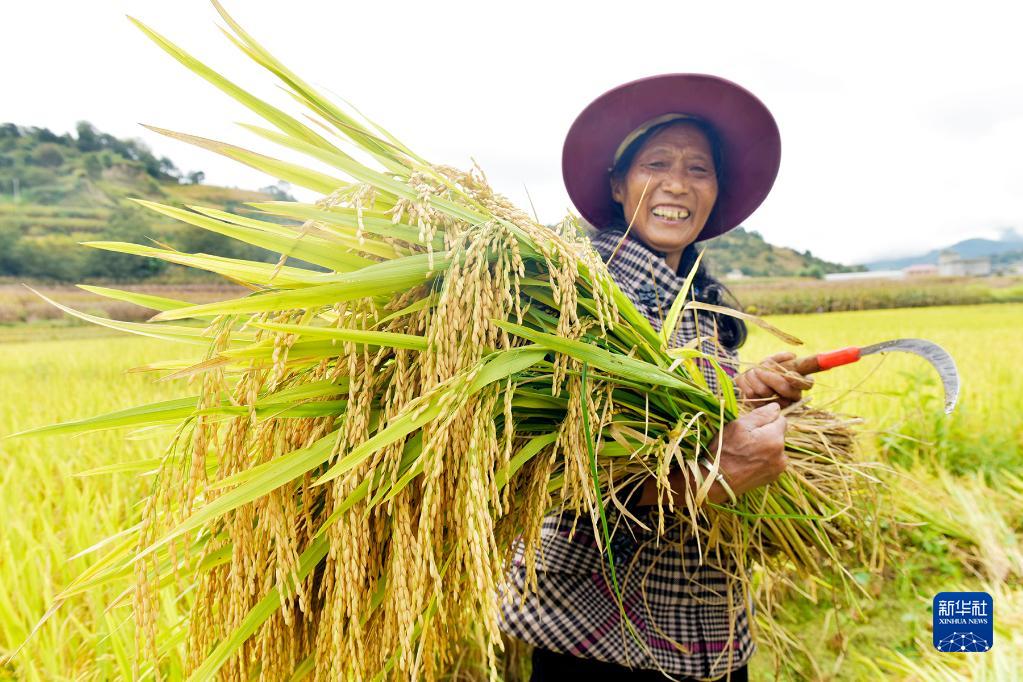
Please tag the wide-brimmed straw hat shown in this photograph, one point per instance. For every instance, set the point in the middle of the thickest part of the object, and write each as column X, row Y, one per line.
column 750, row 146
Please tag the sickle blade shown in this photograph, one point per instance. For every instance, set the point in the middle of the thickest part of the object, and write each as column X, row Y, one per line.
column 934, row 354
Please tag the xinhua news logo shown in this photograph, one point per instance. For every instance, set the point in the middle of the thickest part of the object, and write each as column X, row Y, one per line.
column 963, row 621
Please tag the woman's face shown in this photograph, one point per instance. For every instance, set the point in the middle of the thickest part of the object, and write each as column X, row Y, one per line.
column 675, row 166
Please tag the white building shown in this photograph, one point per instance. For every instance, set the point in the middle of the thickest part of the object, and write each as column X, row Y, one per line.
column 869, row 274
column 951, row 264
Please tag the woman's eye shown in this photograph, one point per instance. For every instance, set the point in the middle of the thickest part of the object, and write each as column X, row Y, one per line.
column 698, row 169
column 656, row 164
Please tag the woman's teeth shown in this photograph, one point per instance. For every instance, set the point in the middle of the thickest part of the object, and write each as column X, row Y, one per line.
column 671, row 213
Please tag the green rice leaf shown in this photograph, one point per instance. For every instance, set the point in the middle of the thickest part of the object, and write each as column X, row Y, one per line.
column 191, row 335
column 304, row 247
column 361, row 173
column 505, row 363
column 671, row 321
column 289, row 230
column 153, row 413
column 496, row 366
column 383, row 151
column 264, row 109
column 151, row 464
column 421, row 304
column 347, row 218
column 289, row 172
column 525, row 453
column 376, row 280
column 386, row 339
column 614, row 364
column 144, row 300
column 367, row 244
column 314, row 389
column 251, row 272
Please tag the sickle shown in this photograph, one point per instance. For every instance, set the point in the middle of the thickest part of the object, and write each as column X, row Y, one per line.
column 928, row 350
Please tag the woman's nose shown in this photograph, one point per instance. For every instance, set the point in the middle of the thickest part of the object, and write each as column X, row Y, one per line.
column 676, row 182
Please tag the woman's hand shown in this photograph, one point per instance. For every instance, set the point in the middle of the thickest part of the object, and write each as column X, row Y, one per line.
column 752, row 449
column 752, row 455
column 770, row 381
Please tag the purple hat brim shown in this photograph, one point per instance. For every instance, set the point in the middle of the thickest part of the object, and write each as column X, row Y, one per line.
column 749, row 137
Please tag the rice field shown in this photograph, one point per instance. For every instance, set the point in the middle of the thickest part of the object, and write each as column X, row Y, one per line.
column 51, row 512
column 775, row 296
column 957, row 503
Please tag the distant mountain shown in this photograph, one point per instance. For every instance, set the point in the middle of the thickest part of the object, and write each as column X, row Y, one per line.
column 746, row 251
column 59, row 190
column 1010, row 242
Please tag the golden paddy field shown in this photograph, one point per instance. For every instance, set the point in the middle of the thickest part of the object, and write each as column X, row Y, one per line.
column 956, row 495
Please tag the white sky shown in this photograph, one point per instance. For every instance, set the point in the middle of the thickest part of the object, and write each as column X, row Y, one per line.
column 902, row 122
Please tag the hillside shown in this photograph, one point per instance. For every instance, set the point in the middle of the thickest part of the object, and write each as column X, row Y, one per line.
column 59, row 190
column 746, row 251
column 1005, row 250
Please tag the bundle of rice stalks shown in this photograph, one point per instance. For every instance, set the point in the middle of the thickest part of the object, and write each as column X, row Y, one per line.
column 374, row 429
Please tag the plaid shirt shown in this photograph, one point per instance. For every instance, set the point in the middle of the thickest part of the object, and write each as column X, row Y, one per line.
column 679, row 606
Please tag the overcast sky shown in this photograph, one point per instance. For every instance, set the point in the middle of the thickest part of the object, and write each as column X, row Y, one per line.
column 901, row 123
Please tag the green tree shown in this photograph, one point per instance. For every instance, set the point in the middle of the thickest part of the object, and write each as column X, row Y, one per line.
column 93, row 166
column 127, row 224
column 88, row 139
column 31, row 176
column 281, row 191
column 48, row 155
column 9, row 237
column 44, row 135
column 815, row 271
column 51, row 257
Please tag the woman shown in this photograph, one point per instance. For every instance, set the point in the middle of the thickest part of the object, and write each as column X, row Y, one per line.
column 657, row 165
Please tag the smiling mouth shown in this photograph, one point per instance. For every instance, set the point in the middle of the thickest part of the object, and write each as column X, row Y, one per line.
column 670, row 212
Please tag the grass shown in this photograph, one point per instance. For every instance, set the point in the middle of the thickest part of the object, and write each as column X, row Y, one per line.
column 805, row 295
column 954, row 475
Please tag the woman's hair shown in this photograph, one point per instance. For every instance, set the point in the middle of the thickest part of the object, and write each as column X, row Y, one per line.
column 706, row 289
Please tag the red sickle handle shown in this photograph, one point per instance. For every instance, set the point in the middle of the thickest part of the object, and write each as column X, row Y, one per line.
column 822, row 361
